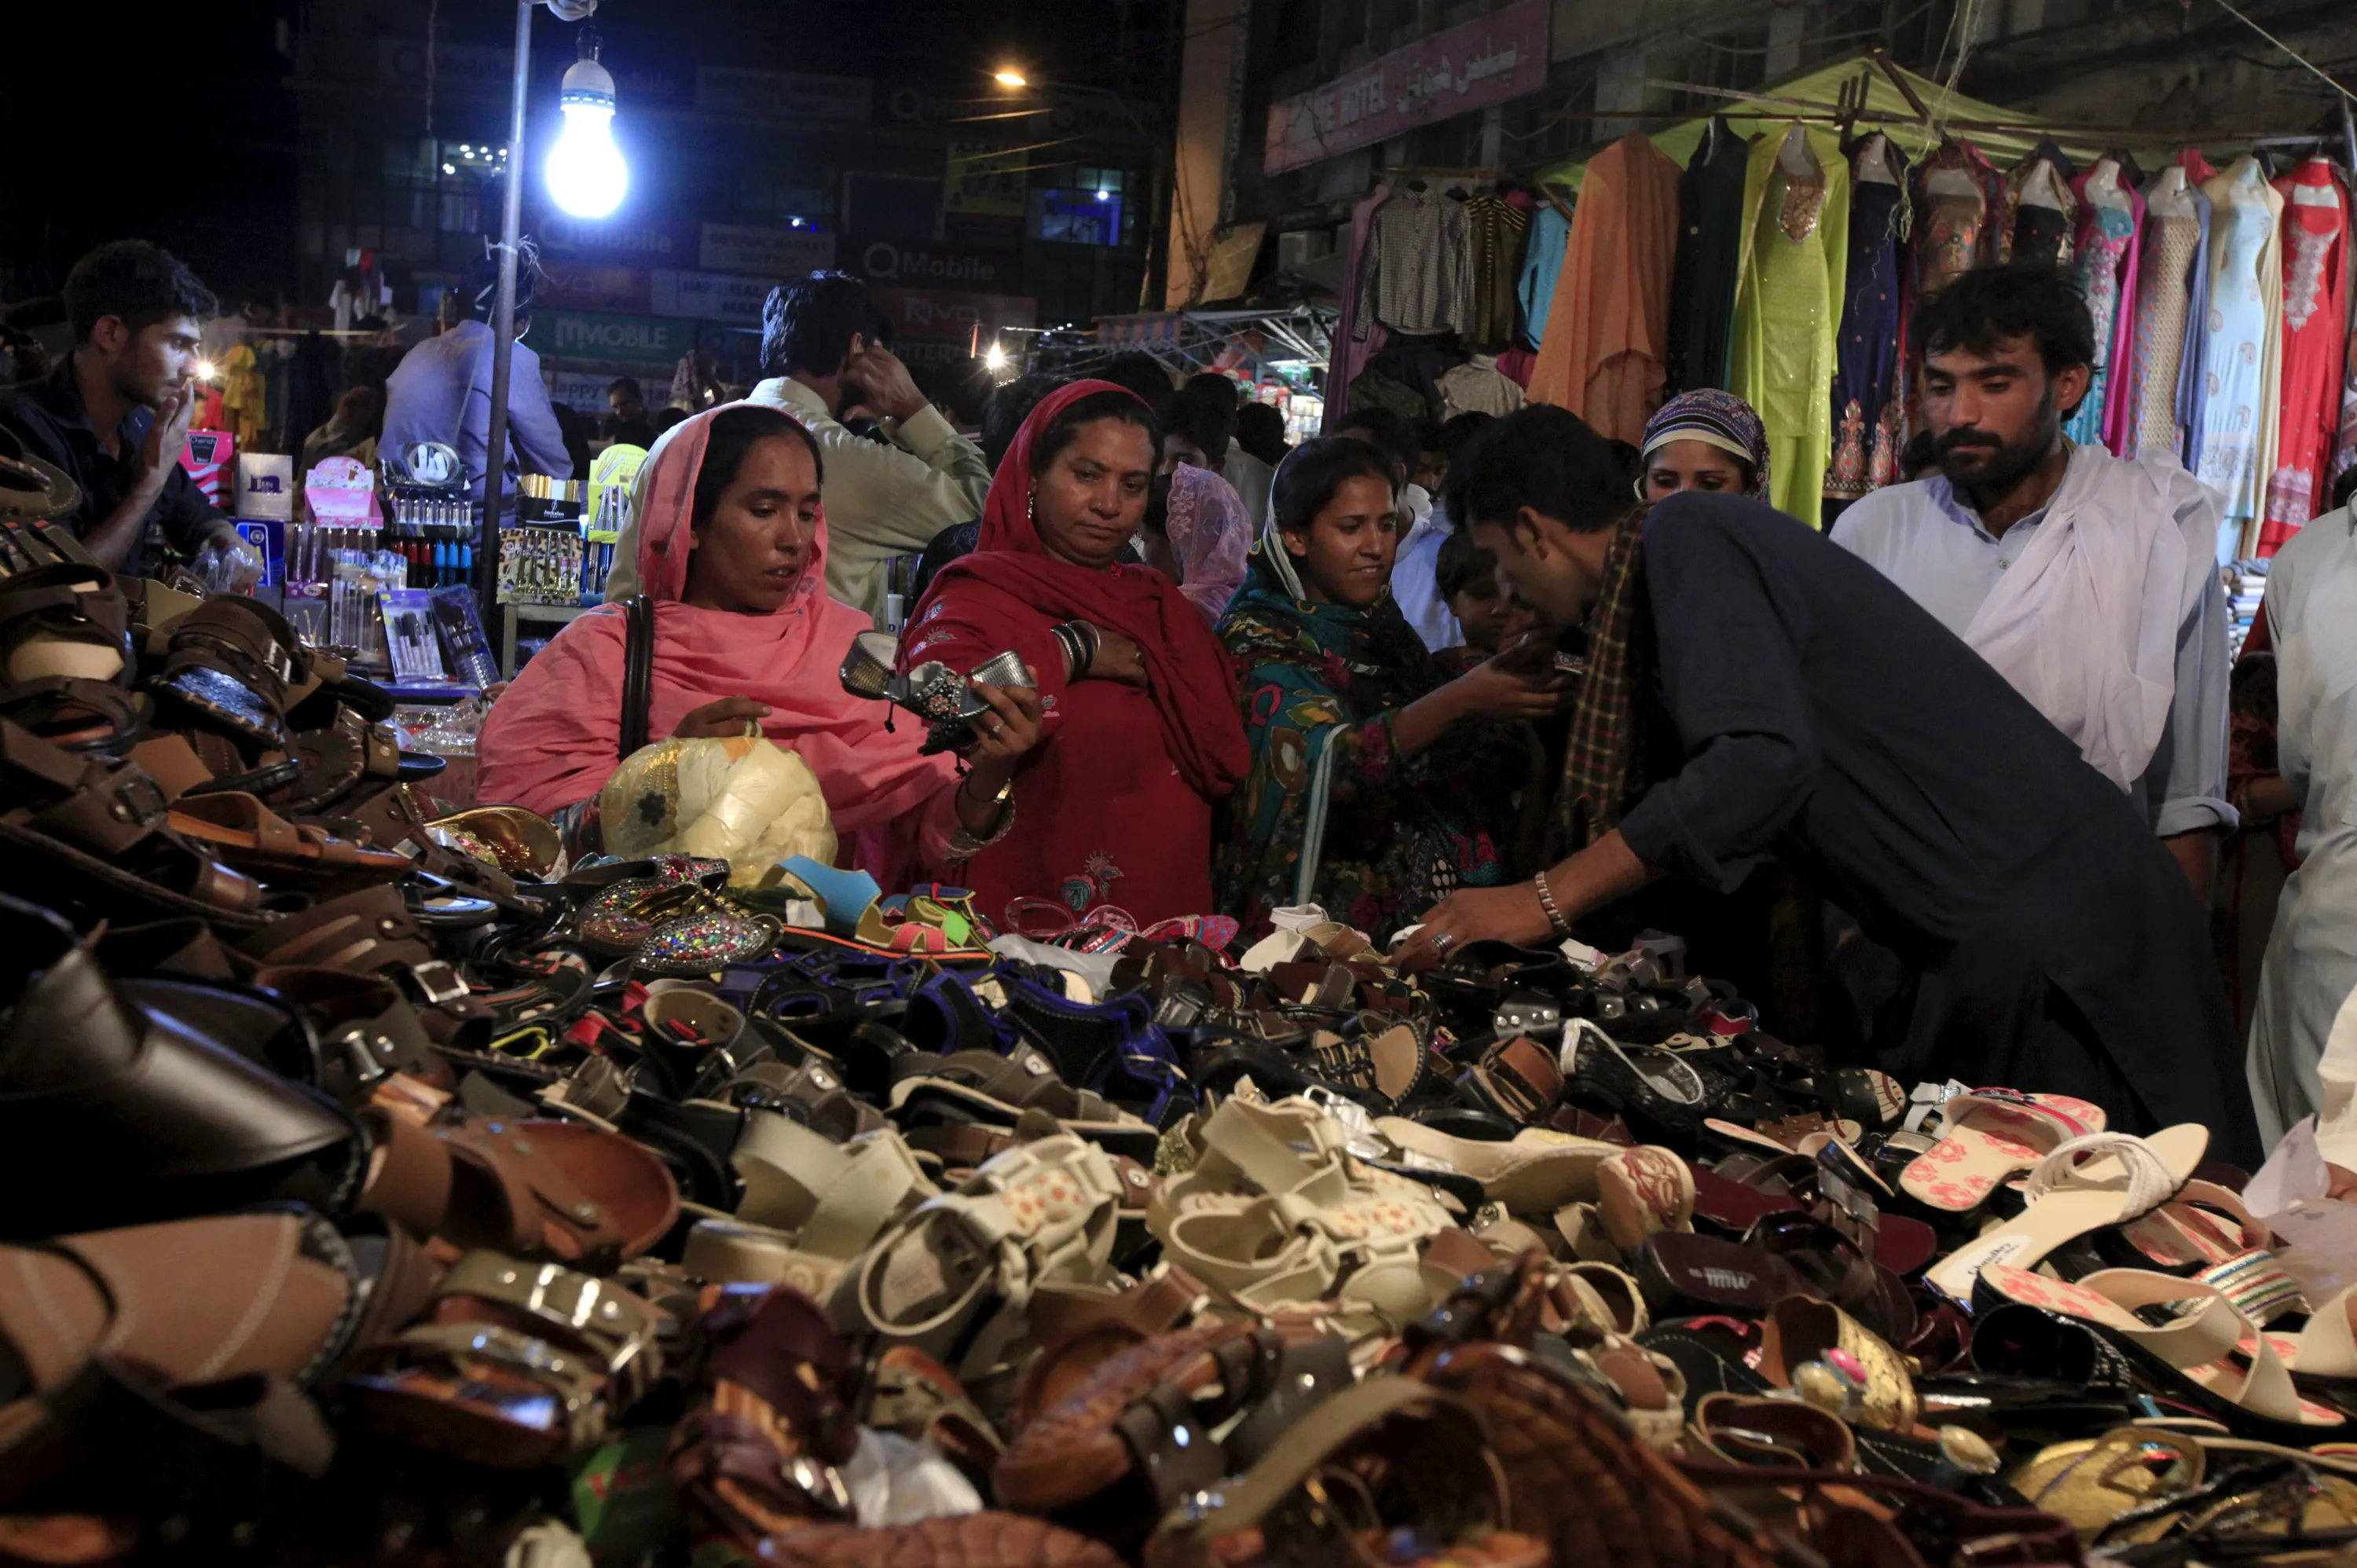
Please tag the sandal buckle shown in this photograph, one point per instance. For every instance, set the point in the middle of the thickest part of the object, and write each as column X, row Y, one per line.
column 438, row 982
column 139, row 800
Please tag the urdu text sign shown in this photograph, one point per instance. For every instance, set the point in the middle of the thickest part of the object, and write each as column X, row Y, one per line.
column 1501, row 56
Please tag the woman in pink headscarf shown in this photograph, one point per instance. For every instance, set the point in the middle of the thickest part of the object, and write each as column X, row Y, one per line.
column 732, row 552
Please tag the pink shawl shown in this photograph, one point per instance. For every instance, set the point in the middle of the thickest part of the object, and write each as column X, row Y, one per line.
column 1210, row 538
column 552, row 738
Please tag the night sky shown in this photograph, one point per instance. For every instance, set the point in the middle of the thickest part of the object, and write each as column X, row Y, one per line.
column 179, row 125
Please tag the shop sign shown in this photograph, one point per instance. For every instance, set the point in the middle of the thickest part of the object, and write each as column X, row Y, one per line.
column 773, row 252
column 984, row 177
column 1501, row 56
column 582, row 286
column 583, row 392
column 928, row 267
column 948, row 317
column 642, row 242
column 712, row 297
column 624, row 339
column 784, row 94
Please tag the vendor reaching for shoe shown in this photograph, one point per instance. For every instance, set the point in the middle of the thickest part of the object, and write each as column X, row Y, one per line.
column 1752, row 687
column 733, row 555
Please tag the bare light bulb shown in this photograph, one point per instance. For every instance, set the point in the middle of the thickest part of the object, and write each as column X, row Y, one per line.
column 587, row 175
column 996, row 358
column 1010, row 77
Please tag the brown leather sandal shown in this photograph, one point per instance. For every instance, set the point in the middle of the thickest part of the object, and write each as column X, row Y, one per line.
column 228, row 665
column 234, row 826
column 100, row 830
column 530, row 1188
column 515, row 1365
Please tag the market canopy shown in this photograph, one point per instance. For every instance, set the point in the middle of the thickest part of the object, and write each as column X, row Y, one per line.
column 2004, row 134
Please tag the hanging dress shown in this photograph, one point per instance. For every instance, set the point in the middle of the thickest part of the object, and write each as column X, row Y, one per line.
column 1710, row 255
column 1788, row 300
column 2237, row 365
column 1960, row 208
column 2044, row 213
column 2106, row 269
column 2315, row 314
column 2172, row 292
column 1866, row 357
column 1606, row 353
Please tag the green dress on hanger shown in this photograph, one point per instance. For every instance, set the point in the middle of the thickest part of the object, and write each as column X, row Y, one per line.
column 1787, row 310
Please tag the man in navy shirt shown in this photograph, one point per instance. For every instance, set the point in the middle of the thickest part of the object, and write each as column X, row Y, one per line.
column 1753, row 689
column 114, row 413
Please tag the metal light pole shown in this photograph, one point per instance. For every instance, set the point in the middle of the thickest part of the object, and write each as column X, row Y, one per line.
column 495, row 446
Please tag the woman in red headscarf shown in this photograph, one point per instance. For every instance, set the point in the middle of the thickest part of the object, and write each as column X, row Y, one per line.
column 1142, row 735
column 732, row 550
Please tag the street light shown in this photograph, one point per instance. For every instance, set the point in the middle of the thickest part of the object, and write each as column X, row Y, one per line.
column 586, row 175
column 1010, row 77
column 495, row 443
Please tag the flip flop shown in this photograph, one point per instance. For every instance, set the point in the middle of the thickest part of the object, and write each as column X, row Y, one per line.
column 2082, row 1185
column 1992, row 1134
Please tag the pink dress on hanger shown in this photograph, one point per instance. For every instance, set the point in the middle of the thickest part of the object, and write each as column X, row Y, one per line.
column 2315, row 264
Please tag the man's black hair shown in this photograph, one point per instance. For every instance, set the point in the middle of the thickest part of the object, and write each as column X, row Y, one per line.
column 1389, row 432
column 808, row 325
column 628, row 384
column 1543, row 458
column 1210, row 387
column 1989, row 305
column 1463, row 564
column 140, row 283
column 1008, row 405
column 1456, row 431
column 1202, row 421
column 1260, row 430
column 1142, row 373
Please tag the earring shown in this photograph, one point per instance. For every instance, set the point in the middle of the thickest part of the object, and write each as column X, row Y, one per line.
column 1033, row 507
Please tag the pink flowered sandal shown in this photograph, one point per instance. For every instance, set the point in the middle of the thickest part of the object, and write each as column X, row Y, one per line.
column 1990, row 1136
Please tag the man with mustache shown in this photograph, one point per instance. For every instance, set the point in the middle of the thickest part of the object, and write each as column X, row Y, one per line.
column 2086, row 579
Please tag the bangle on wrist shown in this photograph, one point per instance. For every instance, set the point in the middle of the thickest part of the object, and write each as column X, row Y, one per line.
column 1546, row 901
column 965, row 843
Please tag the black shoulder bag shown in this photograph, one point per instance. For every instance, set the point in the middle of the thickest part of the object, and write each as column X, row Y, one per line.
column 637, row 670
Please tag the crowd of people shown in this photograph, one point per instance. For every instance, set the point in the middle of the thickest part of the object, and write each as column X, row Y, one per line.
column 1491, row 680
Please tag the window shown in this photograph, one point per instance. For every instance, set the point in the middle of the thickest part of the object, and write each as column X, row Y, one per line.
column 1084, row 208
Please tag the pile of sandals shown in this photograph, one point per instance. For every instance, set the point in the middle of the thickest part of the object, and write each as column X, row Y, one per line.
column 383, row 1188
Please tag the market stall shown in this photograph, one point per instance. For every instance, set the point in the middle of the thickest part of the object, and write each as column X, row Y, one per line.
column 1773, row 248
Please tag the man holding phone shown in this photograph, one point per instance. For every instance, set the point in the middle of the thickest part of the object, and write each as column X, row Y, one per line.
column 823, row 351
column 114, row 413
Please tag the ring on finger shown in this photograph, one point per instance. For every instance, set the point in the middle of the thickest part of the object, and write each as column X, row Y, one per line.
column 1444, row 941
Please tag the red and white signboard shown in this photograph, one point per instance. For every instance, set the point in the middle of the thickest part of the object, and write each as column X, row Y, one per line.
column 1503, row 55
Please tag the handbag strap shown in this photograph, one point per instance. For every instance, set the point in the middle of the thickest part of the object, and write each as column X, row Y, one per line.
column 637, row 670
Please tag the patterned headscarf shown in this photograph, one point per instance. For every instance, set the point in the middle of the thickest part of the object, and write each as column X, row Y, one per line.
column 1719, row 418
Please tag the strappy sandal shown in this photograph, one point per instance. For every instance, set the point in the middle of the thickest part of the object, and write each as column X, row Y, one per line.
column 2206, row 1353
column 1989, row 1136
column 241, row 830
column 953, row 1276
column 1535, row 1172
column 1277, row 1209
column 967, row 1085
column 1519, row 1079
column 99, row 832
column 810, row 1207
column 2100, row 1179
column 528, row 1188
column 228, row 664
column 515, row 1365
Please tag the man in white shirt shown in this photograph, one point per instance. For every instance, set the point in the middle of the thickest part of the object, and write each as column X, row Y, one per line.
column 822, row 349
column 2087, row 580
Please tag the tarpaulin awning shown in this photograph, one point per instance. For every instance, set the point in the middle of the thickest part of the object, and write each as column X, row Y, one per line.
column 2003, row 135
